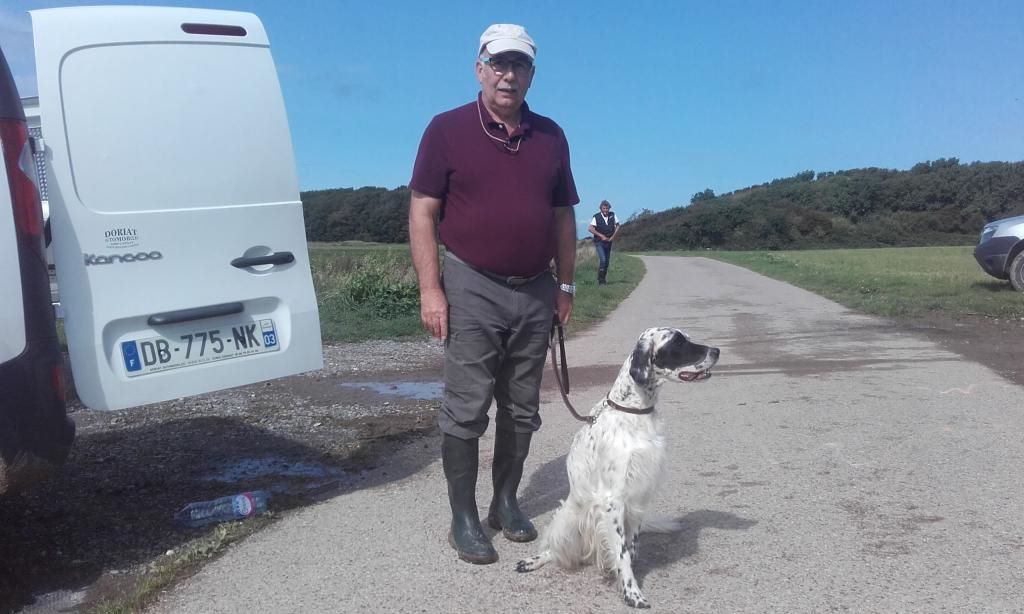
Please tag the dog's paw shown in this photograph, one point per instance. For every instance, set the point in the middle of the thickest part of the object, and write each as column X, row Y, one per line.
column 634, row 598
column 534, row 562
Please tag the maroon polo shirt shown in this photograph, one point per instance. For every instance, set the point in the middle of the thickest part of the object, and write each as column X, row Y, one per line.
column 497, row 211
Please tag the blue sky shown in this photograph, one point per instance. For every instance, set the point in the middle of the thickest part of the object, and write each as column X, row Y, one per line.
column 659, row 100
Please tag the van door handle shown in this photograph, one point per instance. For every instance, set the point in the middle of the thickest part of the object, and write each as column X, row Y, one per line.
column 275, row 258
column 195, row 313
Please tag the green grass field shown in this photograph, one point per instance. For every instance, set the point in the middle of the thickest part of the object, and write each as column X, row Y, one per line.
column 368, row 291
column 895, row 282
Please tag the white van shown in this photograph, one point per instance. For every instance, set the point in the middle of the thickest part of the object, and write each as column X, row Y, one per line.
column 177, row 227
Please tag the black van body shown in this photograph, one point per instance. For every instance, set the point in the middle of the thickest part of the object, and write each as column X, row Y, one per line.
column 35, row 432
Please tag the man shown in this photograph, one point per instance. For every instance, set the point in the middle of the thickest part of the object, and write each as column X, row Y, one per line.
column 604, row 227
column 492, row 180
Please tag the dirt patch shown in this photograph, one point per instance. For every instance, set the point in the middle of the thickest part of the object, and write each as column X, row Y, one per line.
column 997, row 343
column 98, row 528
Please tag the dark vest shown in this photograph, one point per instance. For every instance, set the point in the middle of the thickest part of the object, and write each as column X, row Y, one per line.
column 607, row 229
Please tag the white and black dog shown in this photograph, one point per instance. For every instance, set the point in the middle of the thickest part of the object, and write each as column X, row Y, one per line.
column 615, row 463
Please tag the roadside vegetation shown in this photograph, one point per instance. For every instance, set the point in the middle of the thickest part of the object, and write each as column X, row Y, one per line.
column 365, row 291
column 368, row 291
column 892, row 282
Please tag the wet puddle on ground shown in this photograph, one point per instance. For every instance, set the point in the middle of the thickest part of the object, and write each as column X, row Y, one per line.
column 300, row 477
column 423, row 391
column 57, row 601
column 253, row 468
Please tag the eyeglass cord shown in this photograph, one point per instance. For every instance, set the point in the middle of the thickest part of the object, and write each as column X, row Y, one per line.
column 504, row 142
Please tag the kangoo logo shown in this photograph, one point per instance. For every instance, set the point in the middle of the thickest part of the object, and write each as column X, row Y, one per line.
column 121, row 238
column 91, row 259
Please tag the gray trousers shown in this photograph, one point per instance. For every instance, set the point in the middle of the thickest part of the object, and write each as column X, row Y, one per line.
column 497, row 342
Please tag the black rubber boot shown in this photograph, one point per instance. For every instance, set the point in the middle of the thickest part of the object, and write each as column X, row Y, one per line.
column 461, row 460
column 601, row 274
column 510, row 451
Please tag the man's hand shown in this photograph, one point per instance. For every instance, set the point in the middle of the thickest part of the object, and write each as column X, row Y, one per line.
column 423, row 214
column 563, row 307
column 434, row 312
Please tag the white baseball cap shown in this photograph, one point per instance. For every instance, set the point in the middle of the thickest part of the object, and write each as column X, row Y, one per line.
column 502, row 37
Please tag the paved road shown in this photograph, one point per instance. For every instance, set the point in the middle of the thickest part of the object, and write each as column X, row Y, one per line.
column 832, row 464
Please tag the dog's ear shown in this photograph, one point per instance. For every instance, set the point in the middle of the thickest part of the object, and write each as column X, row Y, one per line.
column 641, row 364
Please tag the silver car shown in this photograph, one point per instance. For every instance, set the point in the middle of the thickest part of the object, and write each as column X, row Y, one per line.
column 1000, row 250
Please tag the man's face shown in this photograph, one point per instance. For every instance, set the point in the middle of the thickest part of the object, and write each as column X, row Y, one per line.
column 605, row 209
column 504, row 80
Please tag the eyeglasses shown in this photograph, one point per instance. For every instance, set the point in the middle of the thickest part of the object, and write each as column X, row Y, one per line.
column 501, row 66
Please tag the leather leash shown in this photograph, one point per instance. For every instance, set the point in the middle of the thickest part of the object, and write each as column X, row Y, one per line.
column 563, row 377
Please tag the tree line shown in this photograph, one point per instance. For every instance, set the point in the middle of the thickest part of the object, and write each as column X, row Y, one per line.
column 364, row 214
column 939, row 202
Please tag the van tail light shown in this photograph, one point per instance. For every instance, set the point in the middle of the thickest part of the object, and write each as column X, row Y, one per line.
column 28, row 225
column 28, row 214
column 57, row 381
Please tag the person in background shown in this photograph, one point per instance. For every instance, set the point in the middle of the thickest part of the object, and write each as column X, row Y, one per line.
column 604, row 227
column 492, row 181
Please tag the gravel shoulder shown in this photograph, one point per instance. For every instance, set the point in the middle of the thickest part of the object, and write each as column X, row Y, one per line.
column 96, row 529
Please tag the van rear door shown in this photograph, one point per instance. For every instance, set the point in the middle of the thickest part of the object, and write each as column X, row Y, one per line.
column 177, row 226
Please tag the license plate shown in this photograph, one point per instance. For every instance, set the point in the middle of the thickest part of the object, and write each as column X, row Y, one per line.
column 197, row 347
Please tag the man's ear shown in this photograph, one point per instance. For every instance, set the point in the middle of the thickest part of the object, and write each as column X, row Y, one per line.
column 641, row 364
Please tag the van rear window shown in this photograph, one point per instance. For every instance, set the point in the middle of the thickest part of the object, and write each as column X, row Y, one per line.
column 213, row 113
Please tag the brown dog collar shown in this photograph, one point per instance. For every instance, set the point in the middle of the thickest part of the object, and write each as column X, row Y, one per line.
column 630, row 410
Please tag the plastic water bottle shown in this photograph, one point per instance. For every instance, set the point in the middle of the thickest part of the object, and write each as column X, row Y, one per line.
column 224, row 509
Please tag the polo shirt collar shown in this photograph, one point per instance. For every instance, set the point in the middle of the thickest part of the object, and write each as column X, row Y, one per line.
column 524, row 119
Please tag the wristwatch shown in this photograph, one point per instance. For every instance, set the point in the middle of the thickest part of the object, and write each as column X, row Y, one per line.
column 568, row 288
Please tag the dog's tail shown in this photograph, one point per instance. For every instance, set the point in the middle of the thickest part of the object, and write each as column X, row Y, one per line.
column 661, row 524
